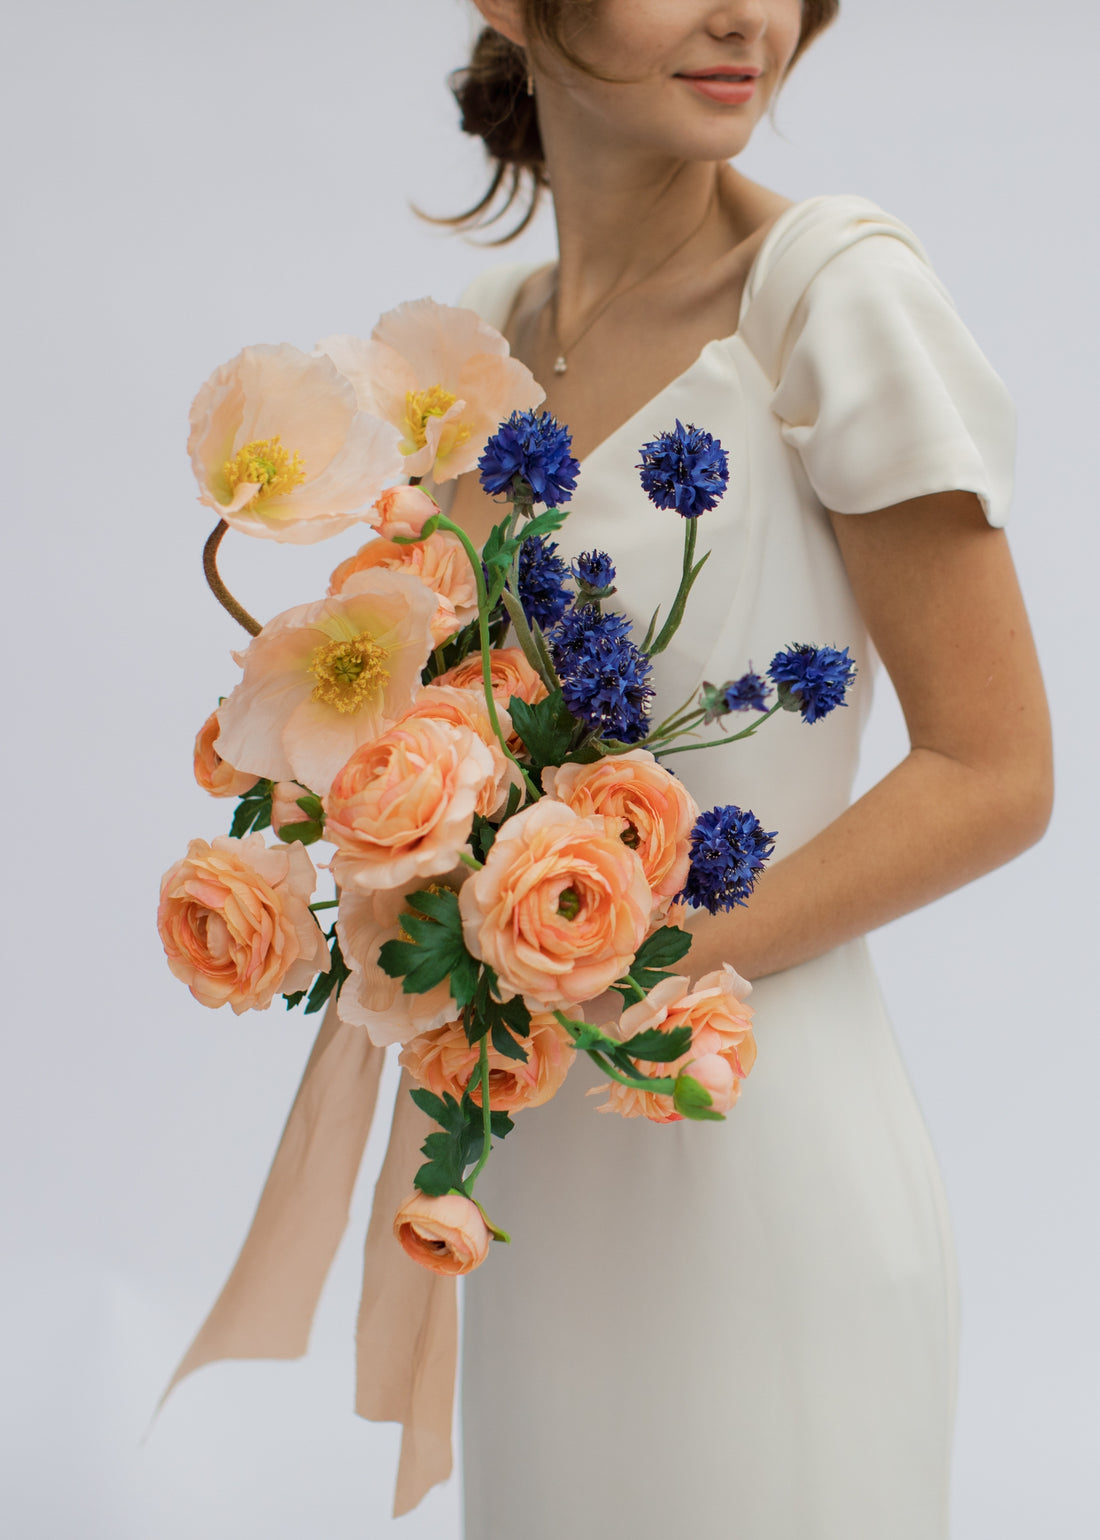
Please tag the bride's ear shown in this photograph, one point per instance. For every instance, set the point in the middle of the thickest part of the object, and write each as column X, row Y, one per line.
column 505, row 17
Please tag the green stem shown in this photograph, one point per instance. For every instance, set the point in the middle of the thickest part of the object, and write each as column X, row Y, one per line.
column 486, row 1115
column 326, row 903
column 687, row 578
column 713, row 743
column 663, row 1085
column 471, row 861
column 218, row 588
column 483, row 635
column 639, row 992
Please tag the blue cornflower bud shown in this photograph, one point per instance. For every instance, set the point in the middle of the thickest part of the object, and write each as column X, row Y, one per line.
column 593, row 570
column 604, row 676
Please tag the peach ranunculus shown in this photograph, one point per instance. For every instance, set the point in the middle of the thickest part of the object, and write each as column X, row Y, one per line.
column 236, row 925
column 467, row 708
column 280, row 447
column 442, row 377
column 511, row 675
column 659, row 811
column 560, row 907
column 721, row 1026
column 443, row 1061
column 440, row 561
column 213, row 773
column 370, row 998
column 403, row 806
column 323, row 678
column 403, row 510
column 446, row 1234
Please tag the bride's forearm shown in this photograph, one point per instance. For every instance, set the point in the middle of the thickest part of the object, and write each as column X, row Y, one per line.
column 929, row 826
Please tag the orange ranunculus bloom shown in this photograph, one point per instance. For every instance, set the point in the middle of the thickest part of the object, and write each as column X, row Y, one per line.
column 658, row 810
column 443, row 1061
column 236, row 925
column 442, row 377
column 369, row 997
column 446, row 1234
column 559, row 908
column 403, row 806
column 280, row 448
column 721, row 1025
column 511, row 675
column 440, row 562
column 323, row 678
column 467, row 708
column 213, row 773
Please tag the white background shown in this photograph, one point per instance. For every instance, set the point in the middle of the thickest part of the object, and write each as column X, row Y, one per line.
column 188, row 179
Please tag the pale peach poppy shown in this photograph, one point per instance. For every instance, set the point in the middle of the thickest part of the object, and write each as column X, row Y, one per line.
column 442, row 377
column 721, row 1025
column 467, row 708
column 440, row 561
column 212, row 772
column 235, row 922
column 443, row 1061
column 280, row 448
column 323, row 678
column 559, row 908
column 370, row 998
column 658, row 810
column 445, row 1234
column 403, row 805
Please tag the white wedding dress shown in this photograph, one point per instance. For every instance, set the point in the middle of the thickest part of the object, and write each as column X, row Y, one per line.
column 748, row 1330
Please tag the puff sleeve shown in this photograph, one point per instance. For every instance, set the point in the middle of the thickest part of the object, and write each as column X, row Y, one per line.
column 884, row 393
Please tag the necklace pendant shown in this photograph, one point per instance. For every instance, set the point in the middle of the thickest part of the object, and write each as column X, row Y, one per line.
column 560, row 365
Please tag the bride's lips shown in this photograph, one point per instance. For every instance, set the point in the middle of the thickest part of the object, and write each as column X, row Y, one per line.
column 723, row 85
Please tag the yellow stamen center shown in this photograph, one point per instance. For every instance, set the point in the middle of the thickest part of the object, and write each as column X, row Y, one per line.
column 433, row 402
column 265, row 460
column 349, row 673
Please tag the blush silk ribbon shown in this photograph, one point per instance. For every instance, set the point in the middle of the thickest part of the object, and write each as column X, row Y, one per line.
column 406, row 1339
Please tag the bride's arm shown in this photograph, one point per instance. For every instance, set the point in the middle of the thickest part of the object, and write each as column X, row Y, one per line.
column 938, row 591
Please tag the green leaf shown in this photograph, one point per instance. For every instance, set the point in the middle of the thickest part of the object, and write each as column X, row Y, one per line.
column 500, row 1124
column 546, row 727
column 444, row 1109
column 429, row 528
column 253, row 810
column 652, row 958
column 657, row 1046
column 312, row 807
column 545, row 523
column 435, row 949
column 694, row 1101
column 329, row 983
column 505, row 1043
column 306, row 833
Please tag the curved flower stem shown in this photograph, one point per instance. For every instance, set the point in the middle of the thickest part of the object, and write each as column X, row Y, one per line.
column 639, row 992
column 713, row 743
column 483, row 635
column 486, row 1115
column 325, row 903
column 663, row 1085
column 674, row 726
column 218, row 588
column 687, row 578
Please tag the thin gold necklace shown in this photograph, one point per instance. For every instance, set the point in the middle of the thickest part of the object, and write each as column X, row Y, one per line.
column 560, row 364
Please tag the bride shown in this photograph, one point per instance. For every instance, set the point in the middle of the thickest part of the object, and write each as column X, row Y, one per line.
column 750, row 1329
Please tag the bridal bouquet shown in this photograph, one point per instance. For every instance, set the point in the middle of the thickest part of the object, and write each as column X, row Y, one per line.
column 472, row 734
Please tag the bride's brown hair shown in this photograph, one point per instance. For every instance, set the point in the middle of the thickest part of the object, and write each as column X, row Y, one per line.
column 492, row 93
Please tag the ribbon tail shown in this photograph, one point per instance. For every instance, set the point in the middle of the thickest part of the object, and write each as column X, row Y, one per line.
column 407, row 1333
column 267, row 1306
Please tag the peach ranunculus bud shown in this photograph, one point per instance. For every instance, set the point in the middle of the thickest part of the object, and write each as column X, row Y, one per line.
column 370, row 998
column 446, row 1234
column 403, row 511
column 403, row 806
column 442, row 377
column 236, row 925
column 467, row 708
column 560, row 907
column 715, row 1074
column 213, row 773
column 443, row 1061
column 285, row 809
column 280, row 447
column 658, row 810
column 721, row 1024
column 440, row 561
column 323, row 678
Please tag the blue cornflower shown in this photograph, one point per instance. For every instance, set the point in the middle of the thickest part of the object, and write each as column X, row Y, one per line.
column 685, row 469
column 542, row 576
column 604, row 677
column 812, row 680
column 749, row 693
column 535, row 447
column 728, row 849
column 594, row 570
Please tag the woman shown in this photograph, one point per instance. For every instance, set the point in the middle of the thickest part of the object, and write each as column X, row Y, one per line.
column 750, row 1329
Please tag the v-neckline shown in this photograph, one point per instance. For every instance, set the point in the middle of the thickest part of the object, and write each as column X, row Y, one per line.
column 527, row 268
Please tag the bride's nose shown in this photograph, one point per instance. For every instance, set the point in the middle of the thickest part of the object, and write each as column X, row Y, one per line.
column 746, row 19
